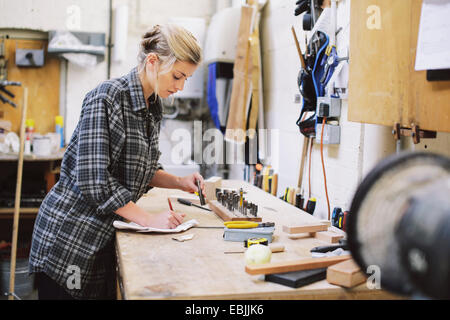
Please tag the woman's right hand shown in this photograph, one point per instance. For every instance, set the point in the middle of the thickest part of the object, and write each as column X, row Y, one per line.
column 164, row 220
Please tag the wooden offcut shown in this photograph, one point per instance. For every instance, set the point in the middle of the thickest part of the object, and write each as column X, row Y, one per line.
column 345, row 274
column 210, row 187
column 328, row 236
column 297, row 265
column 227, row 215
column 306, row 228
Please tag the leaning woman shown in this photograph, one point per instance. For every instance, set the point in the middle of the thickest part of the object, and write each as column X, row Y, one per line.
column 110, row 162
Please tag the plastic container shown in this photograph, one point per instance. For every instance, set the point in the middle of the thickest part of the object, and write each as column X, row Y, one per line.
column 42, row 145
column 23, row 284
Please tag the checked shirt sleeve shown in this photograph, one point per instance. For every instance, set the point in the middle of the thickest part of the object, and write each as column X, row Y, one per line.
column 101, row 134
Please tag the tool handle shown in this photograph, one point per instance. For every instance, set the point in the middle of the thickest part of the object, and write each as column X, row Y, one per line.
column 200, row 194
column 197, row 206
column 184, row 201
column 324, row 249
column 242, row 225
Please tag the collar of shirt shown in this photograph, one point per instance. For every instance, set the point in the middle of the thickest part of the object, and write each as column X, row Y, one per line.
column 138, row 99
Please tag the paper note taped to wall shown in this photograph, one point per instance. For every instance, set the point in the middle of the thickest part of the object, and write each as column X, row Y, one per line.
column 433, row 44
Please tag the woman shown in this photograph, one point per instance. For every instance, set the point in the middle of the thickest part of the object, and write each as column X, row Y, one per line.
column 110, row 162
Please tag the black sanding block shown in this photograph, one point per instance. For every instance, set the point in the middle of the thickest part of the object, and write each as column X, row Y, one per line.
column 297, row 279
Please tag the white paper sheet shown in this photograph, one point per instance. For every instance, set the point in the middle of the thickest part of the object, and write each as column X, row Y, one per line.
column 433, row 45
column 134, row 226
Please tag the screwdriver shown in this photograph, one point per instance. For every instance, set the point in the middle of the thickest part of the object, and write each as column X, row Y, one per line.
column 200, row 193
column 188, row 203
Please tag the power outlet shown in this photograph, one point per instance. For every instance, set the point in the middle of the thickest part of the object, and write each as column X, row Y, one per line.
column 331, row 134
column 328, row 107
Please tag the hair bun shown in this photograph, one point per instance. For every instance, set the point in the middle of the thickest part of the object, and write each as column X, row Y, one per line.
column 152, row 32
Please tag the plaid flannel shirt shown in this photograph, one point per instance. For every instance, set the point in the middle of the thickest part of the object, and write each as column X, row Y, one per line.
column 111, row 158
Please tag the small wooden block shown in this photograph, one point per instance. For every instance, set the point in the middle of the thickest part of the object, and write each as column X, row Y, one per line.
column 210, row 187
column 305, row 228
column 328, row 236
column 297, row 265
column 227, row 215
column 346, row 274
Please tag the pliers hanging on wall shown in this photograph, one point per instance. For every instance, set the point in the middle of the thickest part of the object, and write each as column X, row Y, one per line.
column 3, row 85
column 329, row 63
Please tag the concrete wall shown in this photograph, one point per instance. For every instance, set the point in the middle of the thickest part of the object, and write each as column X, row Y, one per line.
column 362, row 145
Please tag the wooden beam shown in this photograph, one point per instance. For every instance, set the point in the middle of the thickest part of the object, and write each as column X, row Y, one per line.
column 297, row 265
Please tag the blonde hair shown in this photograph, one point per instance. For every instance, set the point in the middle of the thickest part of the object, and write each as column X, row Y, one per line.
column 170, row 43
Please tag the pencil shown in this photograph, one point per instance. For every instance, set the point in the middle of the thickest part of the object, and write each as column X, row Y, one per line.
column 170, row 204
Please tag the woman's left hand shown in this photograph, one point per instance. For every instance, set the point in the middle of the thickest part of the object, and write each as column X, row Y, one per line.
column 189, row 183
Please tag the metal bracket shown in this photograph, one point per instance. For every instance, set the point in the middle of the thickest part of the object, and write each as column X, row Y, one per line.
column 415, row 132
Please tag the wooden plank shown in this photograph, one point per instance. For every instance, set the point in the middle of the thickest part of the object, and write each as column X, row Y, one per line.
column 256, row 74
column 328, row 236
column 305, row 228
column 240, row 93
column 227, row 215
column 346, row 274
column 383, row 86
column 297, row 265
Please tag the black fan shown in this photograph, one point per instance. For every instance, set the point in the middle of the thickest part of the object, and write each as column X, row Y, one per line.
column 400, row 222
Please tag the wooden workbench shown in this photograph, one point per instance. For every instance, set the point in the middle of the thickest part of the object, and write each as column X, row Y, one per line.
column 154, row 266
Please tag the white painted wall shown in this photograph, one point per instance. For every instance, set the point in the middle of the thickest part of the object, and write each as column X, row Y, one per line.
column 144, row 14
column 81, row 15
column 93, row 16
column 362, row 145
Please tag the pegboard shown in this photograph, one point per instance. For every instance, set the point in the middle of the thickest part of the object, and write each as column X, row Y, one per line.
column 43, row 88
